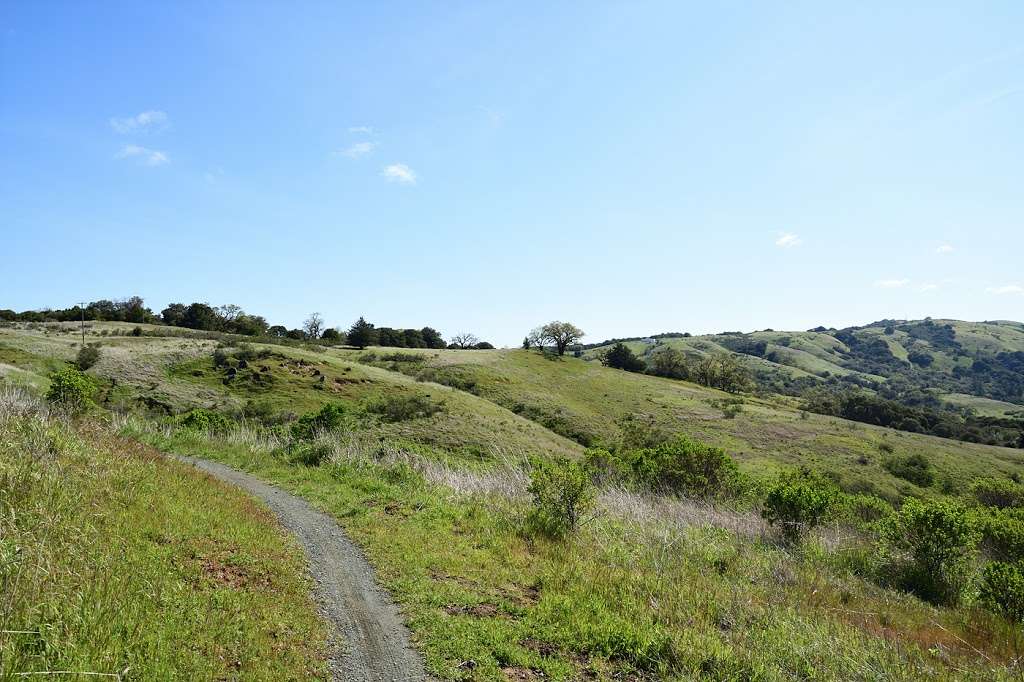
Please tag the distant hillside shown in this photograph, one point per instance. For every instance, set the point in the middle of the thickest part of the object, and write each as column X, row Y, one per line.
column 917, row 362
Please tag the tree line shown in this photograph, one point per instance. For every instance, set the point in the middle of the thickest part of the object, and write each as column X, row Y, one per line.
column 232, row 319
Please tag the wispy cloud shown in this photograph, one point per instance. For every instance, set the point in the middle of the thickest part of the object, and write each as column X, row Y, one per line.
column 149, row 157
column 945, row 248
column 399, row 172
column 361, row 130
column 146, row 121
column 213, row 175
column 927, row 287
column 788, row 240
column 1006, row 289
column 358, row 150
column 495, row 118
column 892, row 283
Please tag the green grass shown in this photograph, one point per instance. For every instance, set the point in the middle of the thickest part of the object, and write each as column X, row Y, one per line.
column 114, row 560
column 767, row 434
column 655, row 592
column 985, row 407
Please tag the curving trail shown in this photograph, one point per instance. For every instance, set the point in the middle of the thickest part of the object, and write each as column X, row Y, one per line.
column 376, row 644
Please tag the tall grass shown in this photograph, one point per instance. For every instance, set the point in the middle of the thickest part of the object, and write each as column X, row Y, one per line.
column 651, row 588
column 116, row 563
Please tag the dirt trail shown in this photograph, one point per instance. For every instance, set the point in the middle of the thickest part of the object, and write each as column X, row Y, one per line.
column 376, row 643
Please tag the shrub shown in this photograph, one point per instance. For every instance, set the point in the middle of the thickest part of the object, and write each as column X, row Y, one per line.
column 686, row 466
column 1003, row 534
column 87, row 357
column 311, row 454
column 330, row 417
column 928, row 547
column 220, row 358
column 998, row 492
column 1002, row 589
column 605, row 467
column 864, row 509
column 71, row 388
column 201, row 419
column 914, row 468
column 562, row 496
column 137, row 331
column 621, row 357
column 398, row 408
column 798, row 501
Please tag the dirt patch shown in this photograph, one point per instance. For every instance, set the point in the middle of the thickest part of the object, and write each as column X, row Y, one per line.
column 225, row 574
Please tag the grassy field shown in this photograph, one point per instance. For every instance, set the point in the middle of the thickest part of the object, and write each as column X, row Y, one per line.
column 507, row 403
column 116, row 562
column 587, row 400
column 649, row 589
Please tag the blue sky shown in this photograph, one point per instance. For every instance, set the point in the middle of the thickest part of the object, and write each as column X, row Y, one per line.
column 633, row 167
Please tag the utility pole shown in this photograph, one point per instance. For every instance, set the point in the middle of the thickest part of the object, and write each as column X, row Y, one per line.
column 81, row 306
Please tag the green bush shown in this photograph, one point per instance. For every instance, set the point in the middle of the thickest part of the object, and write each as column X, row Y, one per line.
column 685, row 466
column 1003, row 534
column 864, row 509
column 998, row 492
column 201, row 419
column 400, row 408
column 330, row 417
column 798, row 501
column 1002, row 589
column 70, row 388
column 605, row 467
column 914, row 468
column 928, row 547
column 562, row 495
column 87, row 357
column 310, row 454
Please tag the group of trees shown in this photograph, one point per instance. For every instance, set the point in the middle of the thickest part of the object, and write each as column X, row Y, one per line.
column 232, row 319
column 861, row 406
column 721, row 371
column 226, row 318
column 132, row 309
column 362, row 334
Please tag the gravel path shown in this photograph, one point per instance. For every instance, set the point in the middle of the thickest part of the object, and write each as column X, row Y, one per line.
column 376, row 643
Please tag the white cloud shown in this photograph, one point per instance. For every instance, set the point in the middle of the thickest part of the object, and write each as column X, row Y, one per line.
column 399, row 172
column 150, row 157
column 788, row 240
column 927, row 287
column 1006, row 289
column 892, row 283
column 945, row 248
column 147, row 120
column 361, row 130
column 358, row 150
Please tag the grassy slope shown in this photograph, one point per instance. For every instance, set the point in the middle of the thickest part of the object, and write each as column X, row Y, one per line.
column 113, row 559
column 178, row 374
column 674, row 602
column 764, row 436
column 638, row 594
column 820, row 352
column 571, row 395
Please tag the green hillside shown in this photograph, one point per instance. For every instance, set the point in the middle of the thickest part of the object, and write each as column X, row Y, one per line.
column 948, row 356
column 587, row 402
column 433, row 465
